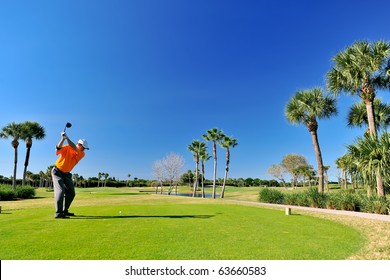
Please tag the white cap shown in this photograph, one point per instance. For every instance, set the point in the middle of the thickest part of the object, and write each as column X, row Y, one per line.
column 83, row 143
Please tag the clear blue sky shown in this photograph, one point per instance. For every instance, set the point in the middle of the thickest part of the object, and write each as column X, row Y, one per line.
column 140, row 79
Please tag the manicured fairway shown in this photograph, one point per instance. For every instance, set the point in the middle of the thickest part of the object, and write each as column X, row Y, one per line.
column 157, row 227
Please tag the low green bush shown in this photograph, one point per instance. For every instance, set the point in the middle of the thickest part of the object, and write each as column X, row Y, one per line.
column 291, row 198
column 25, row 192
column 348, row 201
column 302, row 199
column 7, row 192
column 271, row 196
column 344, row 200
column 315, row 198
column 375, row 204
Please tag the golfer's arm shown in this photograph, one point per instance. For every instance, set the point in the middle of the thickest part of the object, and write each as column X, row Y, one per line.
column 59, row 145
column 71, row 144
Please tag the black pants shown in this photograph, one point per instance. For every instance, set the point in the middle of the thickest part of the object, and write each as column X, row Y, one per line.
column 63, row 190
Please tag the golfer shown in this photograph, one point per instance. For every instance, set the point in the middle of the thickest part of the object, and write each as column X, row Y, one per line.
column 70, row 155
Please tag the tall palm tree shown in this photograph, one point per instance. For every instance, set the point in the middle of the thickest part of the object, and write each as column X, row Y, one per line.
column 357, row 115
column 196, row 148
column 361, row 69
column 15, row 131
column 30, row 130
column 203, row 156
column 214, row 135
column 227, row 142
column 304, row 108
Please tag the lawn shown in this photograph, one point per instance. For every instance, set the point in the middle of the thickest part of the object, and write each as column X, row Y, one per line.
column 113, row 224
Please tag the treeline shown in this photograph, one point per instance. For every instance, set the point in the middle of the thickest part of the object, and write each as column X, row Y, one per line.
column 42, row 181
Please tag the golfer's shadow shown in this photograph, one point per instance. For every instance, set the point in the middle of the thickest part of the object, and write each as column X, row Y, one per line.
column 90, row 217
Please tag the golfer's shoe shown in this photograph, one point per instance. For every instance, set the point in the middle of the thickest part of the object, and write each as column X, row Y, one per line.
column 66, row 213
column 61, row 216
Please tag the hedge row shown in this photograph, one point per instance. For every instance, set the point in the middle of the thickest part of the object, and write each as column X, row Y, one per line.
column 339, row 201
column 7, row 192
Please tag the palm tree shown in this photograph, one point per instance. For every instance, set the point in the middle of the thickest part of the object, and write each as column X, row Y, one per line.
column 307, row 172
column 48, row 177
column 30, row 130
column 15, row 131
column 214, row 135
column 203, row 156
column 371, row 156
column 196, row 148
column 105, row 175
column 100, row 174
column 357, row 115
column 344, row 164
column 76, row 178
column 227, row 143
column 305, row 107
column 361, row 69
column 128, row 181
column 326, row 180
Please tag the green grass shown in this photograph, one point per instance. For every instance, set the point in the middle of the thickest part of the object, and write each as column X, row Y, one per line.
column 155, row 227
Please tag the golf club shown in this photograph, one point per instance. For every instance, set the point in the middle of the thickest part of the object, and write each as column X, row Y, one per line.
column 68, row 124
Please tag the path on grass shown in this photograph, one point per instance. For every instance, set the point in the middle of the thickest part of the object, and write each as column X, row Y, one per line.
column 385, row 218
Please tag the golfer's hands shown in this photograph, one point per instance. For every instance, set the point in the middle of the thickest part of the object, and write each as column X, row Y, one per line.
column 63, row 135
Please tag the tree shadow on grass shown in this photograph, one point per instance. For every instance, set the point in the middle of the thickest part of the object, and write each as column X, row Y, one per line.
column 144, row 216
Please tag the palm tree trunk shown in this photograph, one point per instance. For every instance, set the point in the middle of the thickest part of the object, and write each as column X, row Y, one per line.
column 224, row 182
column 372, row 127
column 25, row 165
column 226, row 172
column 15, row 168
column 215, row 168
column 345, row 179
column 319, row 161
column 203, row 196
column 370, row 116
column 196, row 179
column 379, row 183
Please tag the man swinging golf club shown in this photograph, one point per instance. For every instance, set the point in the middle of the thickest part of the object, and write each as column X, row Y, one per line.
column 64, row 191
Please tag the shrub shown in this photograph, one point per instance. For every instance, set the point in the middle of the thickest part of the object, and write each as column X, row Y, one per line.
column 7, row 193
column 347, row 201
column 271, row 196
column 315, row 198
column 291, row 198
column 375, row 204
column 25, row 192
column 332, row 201
column 302, row 199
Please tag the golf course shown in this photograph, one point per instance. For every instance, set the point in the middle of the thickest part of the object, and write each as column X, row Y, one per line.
column 136, row 224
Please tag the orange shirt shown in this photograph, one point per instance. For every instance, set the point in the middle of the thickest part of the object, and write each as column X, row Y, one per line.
column 68, row 158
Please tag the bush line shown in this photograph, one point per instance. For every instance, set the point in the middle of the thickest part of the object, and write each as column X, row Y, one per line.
column 339, row 201
column 7, row 192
